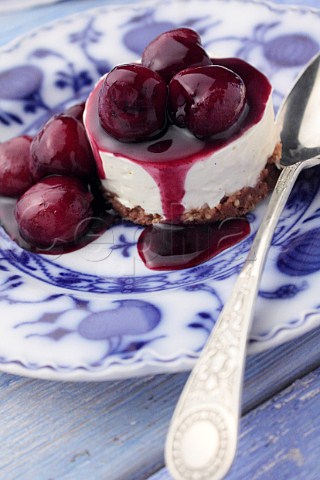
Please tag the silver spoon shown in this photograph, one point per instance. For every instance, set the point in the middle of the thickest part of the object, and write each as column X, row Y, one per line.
column 202, row 438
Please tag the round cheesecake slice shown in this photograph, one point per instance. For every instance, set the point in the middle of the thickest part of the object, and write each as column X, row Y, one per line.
column 180, row 178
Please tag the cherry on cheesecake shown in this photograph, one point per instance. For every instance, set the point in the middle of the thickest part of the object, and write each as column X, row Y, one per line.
column 173, row 51
column 132, row 103
column 207, row 100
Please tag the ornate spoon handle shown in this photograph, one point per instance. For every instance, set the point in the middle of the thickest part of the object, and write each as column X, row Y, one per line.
column 202, row 438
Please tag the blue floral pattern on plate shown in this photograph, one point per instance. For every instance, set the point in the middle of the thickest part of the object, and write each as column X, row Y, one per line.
column 98, row 313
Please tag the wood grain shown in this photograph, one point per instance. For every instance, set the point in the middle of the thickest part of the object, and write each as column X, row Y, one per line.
column 116, row 430
column 278, row 439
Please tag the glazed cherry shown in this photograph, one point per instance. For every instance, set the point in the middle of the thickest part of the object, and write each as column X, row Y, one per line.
column 173, row 51
column 132, row 103
column 61, row 147
column 76, row 111
column 55, row 211
column 15, row 175
column 207, row 100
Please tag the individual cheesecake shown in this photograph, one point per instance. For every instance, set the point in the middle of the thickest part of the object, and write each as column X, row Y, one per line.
column 211, row 160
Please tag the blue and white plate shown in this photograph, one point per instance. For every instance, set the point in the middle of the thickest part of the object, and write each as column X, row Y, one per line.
column 99, row 313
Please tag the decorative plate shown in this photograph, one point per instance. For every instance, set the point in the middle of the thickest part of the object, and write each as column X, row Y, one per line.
column 99, row 313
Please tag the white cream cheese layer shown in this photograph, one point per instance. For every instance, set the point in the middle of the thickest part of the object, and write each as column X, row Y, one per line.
column 227, row 170
column 130, row 183
column 233, row 167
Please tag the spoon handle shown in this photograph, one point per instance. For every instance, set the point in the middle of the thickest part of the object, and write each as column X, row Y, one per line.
column 202, row 438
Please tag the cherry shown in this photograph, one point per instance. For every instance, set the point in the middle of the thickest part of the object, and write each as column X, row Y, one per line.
column 54, row 211
column 173, row 51
column 132, row 103
column 61, row 147
column 15, row 175
column 76, row 111
column 207, row 100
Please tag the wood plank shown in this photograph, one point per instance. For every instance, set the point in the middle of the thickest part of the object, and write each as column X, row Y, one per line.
column 86, row 430
column 280, row 438
column 273, row 370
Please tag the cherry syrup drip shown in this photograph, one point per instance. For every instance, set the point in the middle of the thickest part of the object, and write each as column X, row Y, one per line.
column 173, row 247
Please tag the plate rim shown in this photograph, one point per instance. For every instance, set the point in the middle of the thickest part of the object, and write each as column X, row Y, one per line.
column 7, row 47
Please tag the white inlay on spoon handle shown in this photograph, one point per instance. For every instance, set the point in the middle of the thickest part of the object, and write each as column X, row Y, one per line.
column 202, row 438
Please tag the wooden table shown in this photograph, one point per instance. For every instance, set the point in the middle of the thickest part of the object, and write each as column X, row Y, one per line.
column 116, row 430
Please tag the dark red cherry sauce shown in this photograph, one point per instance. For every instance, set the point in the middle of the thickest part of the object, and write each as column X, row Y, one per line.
column 169, row 158
column 160, row 246
column 173, row 247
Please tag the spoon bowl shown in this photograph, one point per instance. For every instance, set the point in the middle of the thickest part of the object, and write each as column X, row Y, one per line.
column 298, row 117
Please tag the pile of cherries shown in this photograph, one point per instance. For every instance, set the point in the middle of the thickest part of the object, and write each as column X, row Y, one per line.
column 177, row 83
column 52, row 174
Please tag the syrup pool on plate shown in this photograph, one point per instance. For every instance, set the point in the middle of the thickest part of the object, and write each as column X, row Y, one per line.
column 173, row 247
column 160, row 246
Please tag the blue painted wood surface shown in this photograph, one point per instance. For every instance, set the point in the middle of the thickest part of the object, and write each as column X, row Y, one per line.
column 278, row 439
column 116, row 430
